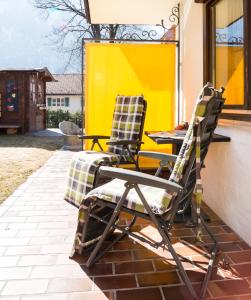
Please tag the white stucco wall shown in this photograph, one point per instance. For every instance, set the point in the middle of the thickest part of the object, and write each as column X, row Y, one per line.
column 192, row 54
column 227, row 176
column 74, row 104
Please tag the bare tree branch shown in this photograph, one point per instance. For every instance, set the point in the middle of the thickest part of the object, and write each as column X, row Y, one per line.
column 69, row 36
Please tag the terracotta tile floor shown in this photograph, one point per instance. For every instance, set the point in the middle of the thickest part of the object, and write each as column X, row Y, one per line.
column 36, row 233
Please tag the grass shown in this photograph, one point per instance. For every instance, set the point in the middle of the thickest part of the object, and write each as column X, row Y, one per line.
column 20, row 156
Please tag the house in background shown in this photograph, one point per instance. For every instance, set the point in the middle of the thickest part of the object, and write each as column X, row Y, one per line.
column 22, row 99
column 65, row 93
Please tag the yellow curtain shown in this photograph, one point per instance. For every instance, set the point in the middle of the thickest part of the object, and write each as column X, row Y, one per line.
column 130, row 69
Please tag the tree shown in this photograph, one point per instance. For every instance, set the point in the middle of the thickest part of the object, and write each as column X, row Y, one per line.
column 68, row 37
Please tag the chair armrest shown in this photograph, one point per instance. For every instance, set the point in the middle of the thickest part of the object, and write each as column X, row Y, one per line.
column 164, row 157
column 140, row 178
column 91, row 137
column 124, row 142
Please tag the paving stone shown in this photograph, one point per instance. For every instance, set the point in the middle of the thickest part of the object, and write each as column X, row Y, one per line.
column 38, row 260
column 8, row 261
column 158, row 278
column 60, row 296
column 47, row 240
column 116, row 256
column 60, row 271
column 57, row 249
column 2, row 283
column 140, row 294
column 133, row 267
column 98, row 269
column 242, row 270
column 115, row 282
column 22, row 226
column 2, row 250
column 8, row 233
column 14, row 241
column 70, row 285
column 21, row 287
column 181, row 292
column 92, row 296
column 240, row 256
column 23, row 250
column 12, row 219
column 14, row 273
column 229, row 288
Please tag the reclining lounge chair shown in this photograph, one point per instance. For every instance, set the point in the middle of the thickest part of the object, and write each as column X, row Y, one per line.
column 156, row 199
column 124, row 145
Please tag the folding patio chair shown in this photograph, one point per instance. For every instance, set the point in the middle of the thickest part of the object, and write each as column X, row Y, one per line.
column 157, row 199
column 127, row 130
column 124, row 145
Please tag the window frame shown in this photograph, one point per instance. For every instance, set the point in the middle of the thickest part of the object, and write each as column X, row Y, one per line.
column 59, row 102
column 208, row 51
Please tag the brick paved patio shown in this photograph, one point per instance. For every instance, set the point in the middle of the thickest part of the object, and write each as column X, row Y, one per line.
column 36, row 234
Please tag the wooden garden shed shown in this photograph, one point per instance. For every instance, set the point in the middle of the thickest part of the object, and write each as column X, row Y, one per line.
column 22, row 99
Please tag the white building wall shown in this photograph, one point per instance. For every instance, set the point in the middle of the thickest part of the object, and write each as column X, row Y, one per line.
column 74, row 103
column 192, row 54
column 227, row 176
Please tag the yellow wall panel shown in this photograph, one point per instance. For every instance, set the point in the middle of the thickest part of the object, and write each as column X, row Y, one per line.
column 130, row 69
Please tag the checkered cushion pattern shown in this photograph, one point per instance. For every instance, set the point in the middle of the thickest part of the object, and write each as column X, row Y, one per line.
column 127, row 121
column 82, row 172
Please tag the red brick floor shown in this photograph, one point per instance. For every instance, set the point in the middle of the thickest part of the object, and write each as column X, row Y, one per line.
column 36, row 234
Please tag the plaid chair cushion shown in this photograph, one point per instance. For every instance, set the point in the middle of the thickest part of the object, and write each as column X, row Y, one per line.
column 81, row 174
column 158, row 199
column 189, row 140
column 127, row 120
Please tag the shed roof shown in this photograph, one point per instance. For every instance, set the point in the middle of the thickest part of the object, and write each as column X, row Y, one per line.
column 46, row 74
column 66, row 84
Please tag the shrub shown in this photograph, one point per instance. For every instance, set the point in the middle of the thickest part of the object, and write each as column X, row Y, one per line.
column 54, row 117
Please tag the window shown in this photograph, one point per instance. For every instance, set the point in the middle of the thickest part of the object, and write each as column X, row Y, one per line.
column 58, row 102
column 33, row 89
column 227, row 50
column 40, row 91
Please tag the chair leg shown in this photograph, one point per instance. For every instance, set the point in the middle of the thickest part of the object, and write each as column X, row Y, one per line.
column 119, row 237
column 211, row 260
column 167, row 241
column 116, row 212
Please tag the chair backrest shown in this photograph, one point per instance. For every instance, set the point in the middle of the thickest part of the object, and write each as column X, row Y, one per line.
column 69, row 128
column 209, row 106
column 128, row 122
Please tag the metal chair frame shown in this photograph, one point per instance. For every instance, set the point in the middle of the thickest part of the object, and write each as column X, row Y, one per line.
column 163, row 223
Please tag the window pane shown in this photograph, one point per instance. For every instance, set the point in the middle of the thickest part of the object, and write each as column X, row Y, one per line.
column 229, row 50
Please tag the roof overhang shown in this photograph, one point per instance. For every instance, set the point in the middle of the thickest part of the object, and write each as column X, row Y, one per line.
column 149, row 12
column 43, row 72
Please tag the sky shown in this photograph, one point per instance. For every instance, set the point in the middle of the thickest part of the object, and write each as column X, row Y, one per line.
column 24, row 41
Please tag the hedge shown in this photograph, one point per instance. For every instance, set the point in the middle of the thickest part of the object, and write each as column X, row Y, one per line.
column 54, row 117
